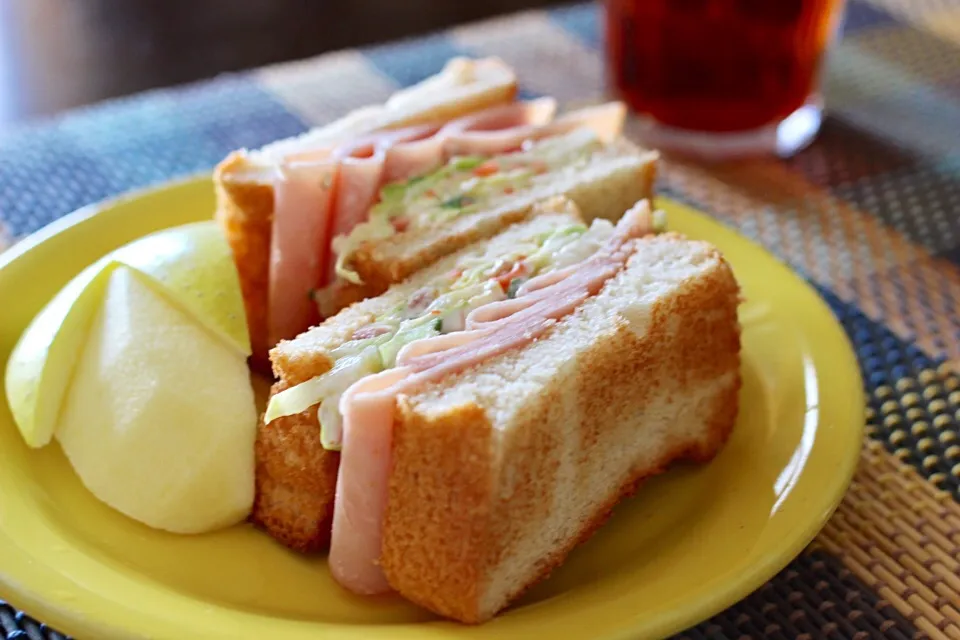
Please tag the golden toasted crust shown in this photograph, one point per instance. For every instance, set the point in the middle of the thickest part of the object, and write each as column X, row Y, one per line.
column 452, row 523
column 308, row 355
column 295, row 481
column 245, row 213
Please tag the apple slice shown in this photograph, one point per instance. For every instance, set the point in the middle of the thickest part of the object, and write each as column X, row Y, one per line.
column 159, row 421
column 191, row 265
column 194, row 268
column 39, row 367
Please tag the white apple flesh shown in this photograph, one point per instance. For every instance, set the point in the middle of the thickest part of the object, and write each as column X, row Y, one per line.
column 159, row 420
column 191, row 264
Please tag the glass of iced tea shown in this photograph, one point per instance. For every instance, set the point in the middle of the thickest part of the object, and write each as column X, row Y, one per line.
column 722, row 78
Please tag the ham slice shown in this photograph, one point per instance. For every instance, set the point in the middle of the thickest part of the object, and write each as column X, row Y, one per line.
column 497, row 130
column 605, row 120
column 352, row 565
column 358, row 183
column 366, row 164
column 368, row 406
column 506, row 128
column 417, row 152
column 299, row 244
column 319, row 194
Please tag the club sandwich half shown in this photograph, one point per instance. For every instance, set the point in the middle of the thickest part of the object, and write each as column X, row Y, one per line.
column 455, row 437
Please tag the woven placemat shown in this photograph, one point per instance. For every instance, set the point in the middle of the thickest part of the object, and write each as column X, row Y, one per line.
column 869, row 214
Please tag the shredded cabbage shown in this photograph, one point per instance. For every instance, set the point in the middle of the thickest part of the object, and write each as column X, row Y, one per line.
column 331, row 423
column 410, row 331
column 376, row 228
column 356, row 347
column 465, row 163
column 492, row 292
column 583, row 247
column 344, row 373
column 517, row 178
column 553, row 243
column 477, row 270
column 395, row 199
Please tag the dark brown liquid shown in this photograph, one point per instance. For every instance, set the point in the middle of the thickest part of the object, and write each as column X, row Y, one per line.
column 717, row 65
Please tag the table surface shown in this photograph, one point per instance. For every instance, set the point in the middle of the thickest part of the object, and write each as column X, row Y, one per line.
column 869, row 214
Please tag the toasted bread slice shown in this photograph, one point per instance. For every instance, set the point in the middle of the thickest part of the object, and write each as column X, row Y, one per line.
column 295, row 476
column 499, row 471
column 244, row 180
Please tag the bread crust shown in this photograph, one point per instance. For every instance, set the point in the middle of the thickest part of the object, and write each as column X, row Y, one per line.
column 245, row 214
column 463, row 495
column 295, row 479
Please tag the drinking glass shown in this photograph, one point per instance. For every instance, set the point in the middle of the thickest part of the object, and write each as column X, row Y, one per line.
column 721, row 78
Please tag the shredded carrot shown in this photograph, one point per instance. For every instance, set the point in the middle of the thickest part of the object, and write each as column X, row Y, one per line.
column 515, row 270
column 488, row 168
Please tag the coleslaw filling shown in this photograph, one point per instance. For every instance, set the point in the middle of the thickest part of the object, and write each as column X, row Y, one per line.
column 464, row 185
column 439, row 308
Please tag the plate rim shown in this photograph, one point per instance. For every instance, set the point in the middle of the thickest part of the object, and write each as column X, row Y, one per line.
column 34, row 604
column 66, row 222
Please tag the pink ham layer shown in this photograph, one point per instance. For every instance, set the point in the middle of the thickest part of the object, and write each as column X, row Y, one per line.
column 324, row 193
column 491, row 330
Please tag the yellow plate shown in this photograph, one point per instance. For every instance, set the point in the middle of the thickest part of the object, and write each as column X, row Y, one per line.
column 689, row 544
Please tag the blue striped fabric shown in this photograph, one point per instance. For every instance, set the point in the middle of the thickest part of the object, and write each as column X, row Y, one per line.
column 580, row 20
column 411, row 61
column 50, row 169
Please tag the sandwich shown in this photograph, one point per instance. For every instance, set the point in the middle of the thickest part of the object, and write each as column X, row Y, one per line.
column 454, row 438
column 340, row 213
